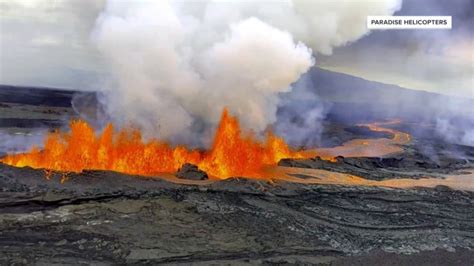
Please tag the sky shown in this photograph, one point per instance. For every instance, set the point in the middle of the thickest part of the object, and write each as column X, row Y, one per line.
column 48, row 43
column 439, row 61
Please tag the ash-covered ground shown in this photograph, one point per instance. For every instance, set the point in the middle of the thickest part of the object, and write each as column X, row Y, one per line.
column 112, row 218
column 104, row 217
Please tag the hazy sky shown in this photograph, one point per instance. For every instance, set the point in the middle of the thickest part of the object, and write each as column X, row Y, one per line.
column 47, row 43
column 432, row 60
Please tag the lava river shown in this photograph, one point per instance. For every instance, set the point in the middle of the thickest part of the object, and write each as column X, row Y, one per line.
column 233, row 153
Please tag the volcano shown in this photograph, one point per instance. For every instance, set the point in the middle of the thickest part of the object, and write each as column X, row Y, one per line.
column 377, row 189
column 232, row 153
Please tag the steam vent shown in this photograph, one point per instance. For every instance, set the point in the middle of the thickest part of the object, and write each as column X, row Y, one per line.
column 154, row 132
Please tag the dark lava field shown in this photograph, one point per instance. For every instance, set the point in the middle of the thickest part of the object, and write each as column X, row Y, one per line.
column 103, row 218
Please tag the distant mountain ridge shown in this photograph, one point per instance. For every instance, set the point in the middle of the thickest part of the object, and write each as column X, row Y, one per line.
column 336, row 80
column 353, row 96
column 350, row 97
column 36, row 96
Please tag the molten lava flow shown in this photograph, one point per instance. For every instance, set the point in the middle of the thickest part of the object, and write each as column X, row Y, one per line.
column 377, row 147
column 232, row 153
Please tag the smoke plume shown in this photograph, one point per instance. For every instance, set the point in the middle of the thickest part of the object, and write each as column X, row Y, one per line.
column 178, row 64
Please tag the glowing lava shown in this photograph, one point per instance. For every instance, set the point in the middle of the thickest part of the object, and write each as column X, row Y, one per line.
column 378, row 147
column 233, row 153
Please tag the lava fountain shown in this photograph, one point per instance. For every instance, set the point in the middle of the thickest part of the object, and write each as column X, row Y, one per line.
column 233, row 152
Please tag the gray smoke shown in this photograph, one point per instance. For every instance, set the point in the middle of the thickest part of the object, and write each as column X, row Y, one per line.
column 300, row 114
column 175, row 63
column 14, row 142
column 439, row 61
column 452, row 132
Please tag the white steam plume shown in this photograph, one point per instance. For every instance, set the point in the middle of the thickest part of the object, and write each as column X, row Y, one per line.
column 175, row 63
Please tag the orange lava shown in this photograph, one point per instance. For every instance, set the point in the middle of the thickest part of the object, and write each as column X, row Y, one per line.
column 368, row 147
column 233, row 153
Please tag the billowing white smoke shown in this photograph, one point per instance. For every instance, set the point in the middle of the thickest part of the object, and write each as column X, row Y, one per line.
column 455, row 133
column 176, row 63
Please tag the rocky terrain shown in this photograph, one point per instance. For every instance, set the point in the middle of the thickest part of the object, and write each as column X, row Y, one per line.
column 98, row 217
column 105, row 217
